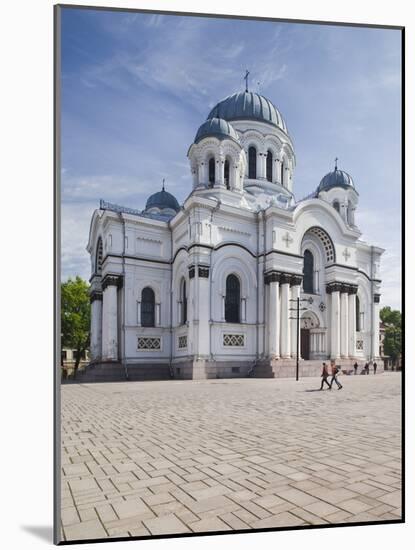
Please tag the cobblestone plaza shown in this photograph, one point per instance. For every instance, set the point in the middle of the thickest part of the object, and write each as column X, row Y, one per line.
column 151, row 458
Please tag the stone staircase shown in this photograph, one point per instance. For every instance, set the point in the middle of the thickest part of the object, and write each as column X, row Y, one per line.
column 287, row 368
column 112, row 371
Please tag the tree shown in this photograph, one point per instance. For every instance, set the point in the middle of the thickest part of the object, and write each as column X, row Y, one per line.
column 75, row 317
column 392, row 319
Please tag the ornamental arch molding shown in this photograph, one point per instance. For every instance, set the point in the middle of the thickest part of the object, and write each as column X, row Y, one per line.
column 326, row 241
column 310, row 320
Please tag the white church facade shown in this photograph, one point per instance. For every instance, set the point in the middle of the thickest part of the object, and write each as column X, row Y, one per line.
column 209, row 288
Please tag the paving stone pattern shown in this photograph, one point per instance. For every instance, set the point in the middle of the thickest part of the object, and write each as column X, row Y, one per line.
column 149, row 458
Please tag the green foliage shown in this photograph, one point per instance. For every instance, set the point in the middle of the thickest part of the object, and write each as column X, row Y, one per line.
column 75, row 316
column 392, row 319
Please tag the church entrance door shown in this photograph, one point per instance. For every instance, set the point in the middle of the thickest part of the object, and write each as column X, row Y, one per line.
column 305, row 343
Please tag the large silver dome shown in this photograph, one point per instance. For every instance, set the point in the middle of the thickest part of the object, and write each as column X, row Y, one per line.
column 248, row 105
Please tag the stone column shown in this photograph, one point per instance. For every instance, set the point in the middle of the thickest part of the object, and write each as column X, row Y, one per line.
column 295, row 293
column 334, row 290
column 273, row 314
column 352, row 320
column 110, row 285
column 201, row 174
column 375, row 326
column 344, row 322
column 203, row 293
column 96, row 325
column 277, row 168
column 285, row 314
column 220, row 167
column 261, row 166
column 191, row 308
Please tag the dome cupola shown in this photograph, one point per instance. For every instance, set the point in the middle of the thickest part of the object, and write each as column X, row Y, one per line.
column 218, row 128
column 248, row 106
column 162, row 202
column 336, row 178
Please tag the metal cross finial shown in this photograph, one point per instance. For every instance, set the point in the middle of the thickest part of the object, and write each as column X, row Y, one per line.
column 163, row 185
column 335, row 161
column 246, row 80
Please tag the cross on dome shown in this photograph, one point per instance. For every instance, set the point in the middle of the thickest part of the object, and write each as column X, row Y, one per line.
column 246, row 80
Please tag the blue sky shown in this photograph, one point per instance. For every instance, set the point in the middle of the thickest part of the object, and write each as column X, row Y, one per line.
column 135, row 88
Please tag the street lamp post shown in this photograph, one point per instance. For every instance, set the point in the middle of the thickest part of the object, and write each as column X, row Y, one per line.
column 297, row 310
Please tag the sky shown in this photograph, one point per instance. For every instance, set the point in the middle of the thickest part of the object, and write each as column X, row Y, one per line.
column 135, row 88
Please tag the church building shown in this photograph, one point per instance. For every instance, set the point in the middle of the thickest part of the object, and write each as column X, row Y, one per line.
column 210, row 288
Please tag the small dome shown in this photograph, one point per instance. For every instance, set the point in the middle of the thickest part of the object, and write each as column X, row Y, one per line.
column 162, row 199
column 248, row 105
column 216, row 127
column 337, row 178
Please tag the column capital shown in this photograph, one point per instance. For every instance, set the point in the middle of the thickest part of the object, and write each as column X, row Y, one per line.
column 345, row 288
column 191, row 271
column 333, row 287
column 295, row 280
column 376, row 298
column 95, row 295
column 112, row 280
column 272, row 277
column 283, row 278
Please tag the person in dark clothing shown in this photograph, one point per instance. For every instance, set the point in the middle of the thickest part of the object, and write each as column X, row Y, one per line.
column 324, row 376
column 367, row 368
column 375, row 366
column 334, row 371
column 355, row 367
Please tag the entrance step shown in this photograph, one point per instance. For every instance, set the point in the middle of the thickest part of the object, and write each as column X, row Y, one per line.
column 112, row 371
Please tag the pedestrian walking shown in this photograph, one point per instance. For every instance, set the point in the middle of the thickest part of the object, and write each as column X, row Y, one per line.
column 355, row 367
column 367, row 368
column 334, row 371
column 375, row 366
column 324, row 376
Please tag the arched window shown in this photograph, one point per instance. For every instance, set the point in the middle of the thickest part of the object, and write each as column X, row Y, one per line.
column 147, row 307
column 252, row 163
column 282, row 173
column 98, row 258
column 358, row 327
column 270, row 159
column 308, row 272
column 212, row 171
column 227, row 174
column 232, row 299
column 336, row 206
column 183, row 313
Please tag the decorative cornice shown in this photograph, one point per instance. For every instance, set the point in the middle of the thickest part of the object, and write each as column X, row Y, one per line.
column 333, row 287
column 95, row 295
column 272, row 277
column 341, row 287
column 292, row 279
column 112, row 280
